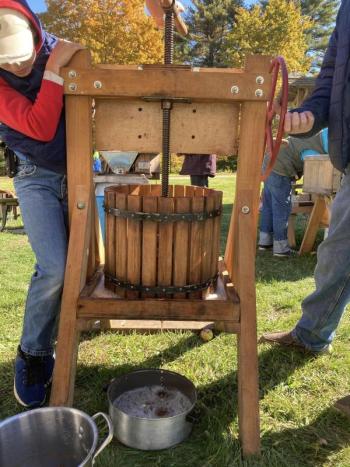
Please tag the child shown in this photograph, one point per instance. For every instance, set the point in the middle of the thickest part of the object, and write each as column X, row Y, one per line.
column 277, row 193
column 33, row 126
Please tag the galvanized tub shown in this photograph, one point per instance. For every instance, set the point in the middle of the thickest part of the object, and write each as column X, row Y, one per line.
column 51, row 437
column 145, row 433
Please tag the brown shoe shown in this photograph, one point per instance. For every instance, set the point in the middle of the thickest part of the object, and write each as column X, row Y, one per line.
column 282, row 338
column 343, row 405
column 286, row 339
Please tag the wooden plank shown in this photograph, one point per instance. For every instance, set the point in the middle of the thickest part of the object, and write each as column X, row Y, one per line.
column 79, row 147
column 320, row 177
column 156, row 190
column 110, row 238
column 149, row 245
column 291, row 231
column 158, row 309
column 196, row 244
column 134, row 246
column 173, row 82
column 149, row 326
column 199, row 128
column 181, row 238
column 216, row 234
column 230, row 244
column 252, row 130
column 121, row 239
column 207, row 241
column 157, row 10
column 166, row 236
column 204, row 128
column 317, row 213
column 75, row 277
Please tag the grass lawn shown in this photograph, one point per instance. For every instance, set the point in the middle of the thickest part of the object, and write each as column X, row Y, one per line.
column 298, row 425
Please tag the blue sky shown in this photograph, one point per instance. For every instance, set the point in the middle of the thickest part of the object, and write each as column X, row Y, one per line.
column 39, row 5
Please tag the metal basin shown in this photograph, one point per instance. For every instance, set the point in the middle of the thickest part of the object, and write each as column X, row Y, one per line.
column 146, row 432
column 51, row 437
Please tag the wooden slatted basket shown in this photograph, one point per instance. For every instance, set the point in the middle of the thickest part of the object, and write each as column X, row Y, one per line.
column 157, row 246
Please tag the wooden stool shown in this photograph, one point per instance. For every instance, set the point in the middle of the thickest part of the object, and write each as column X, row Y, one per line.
column 211, row 109
column 301, row 204
column 8, row 203
column 319, row 218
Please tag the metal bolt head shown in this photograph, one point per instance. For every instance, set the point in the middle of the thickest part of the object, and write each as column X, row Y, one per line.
column 235, row 90
column 80, row 205
column 259, row 93
column 259, row 80
column 97, row 84
column 72, row 87
column 245, row 209
column 72, row 73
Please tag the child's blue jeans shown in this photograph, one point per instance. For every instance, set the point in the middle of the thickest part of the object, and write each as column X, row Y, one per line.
column 276, row 209
column 42, row 198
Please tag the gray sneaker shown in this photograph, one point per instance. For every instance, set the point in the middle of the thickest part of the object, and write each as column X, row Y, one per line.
column 285, row 254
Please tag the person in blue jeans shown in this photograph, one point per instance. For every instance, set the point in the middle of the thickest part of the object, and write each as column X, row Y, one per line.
column 329, row 105
column 33, row 127
column 277, row 193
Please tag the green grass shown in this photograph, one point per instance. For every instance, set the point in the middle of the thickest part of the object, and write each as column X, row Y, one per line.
column 298, row 425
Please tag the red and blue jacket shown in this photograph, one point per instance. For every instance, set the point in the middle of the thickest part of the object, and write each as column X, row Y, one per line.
column 31, row 108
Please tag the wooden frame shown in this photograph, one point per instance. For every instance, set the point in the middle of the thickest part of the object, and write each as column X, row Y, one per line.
column 234, row 310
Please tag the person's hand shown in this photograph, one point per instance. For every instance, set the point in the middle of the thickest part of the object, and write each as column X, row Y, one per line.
column 61, row 55
column 296, row 123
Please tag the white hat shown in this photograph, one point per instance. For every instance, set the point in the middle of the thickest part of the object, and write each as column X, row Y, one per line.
column 16, row 37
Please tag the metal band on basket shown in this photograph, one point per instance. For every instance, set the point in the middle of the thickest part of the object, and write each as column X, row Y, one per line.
column 159, row 289
column 160, row 217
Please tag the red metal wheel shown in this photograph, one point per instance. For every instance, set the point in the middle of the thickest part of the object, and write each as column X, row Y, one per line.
column 272, row 145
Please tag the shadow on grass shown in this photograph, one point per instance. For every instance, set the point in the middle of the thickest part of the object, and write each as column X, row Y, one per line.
column 213, row 442
column 214, row 439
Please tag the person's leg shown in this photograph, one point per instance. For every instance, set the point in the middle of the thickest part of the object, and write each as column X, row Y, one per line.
column 281, row 196
column 43, row 201
column 199, row 180
column 323, row 309
column 266, row 220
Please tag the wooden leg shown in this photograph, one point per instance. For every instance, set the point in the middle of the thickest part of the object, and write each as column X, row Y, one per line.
column 3, row 217
column 243, row 267
column 248, row 378
column 313, row 225
column 291, row 230
column 75, row 278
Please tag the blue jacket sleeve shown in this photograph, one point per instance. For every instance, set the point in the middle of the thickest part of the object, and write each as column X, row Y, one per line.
column 318, row 102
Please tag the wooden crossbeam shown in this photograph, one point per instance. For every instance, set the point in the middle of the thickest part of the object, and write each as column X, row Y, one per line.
column 193, row 84
column 155, row 309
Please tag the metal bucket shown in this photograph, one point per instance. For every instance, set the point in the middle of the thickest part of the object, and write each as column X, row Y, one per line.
column 151, row 433
column 51, row 437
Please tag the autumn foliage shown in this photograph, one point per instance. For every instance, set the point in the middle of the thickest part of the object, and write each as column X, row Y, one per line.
column 115, row 31
column 278, row 29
